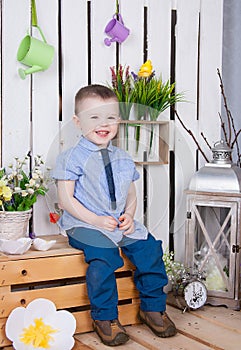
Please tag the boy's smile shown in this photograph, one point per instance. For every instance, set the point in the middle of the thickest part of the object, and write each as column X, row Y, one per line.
column 102, row 133
column 98, row 119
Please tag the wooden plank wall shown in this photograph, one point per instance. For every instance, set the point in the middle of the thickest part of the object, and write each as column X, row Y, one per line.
column 183, row 38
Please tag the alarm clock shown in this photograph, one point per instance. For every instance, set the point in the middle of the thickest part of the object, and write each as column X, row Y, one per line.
column 195, row 294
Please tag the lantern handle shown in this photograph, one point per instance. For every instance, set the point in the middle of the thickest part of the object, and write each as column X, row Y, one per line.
column 221, row 141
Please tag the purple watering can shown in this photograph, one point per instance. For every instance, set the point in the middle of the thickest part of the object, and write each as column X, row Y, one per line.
column 116, row 30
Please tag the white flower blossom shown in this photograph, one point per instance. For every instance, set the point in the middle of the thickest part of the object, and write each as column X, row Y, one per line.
column 17, row 189
column 41, row 326
column 35, row 175
column 32, row 182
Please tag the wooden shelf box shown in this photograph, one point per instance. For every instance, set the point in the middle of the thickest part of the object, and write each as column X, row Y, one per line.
column 153, row 145
column 58, row 275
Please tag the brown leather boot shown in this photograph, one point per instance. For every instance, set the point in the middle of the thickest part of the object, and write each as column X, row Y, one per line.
column 159, row 323
column 111, row 332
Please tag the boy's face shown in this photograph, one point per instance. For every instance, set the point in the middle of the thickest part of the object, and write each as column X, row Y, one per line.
column 98, row 119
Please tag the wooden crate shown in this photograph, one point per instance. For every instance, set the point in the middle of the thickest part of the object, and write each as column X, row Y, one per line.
column 58, row 275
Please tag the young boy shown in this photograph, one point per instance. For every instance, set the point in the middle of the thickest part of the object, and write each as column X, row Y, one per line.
column 97, row 193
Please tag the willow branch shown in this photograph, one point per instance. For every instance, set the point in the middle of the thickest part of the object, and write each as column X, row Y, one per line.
column 230, row 118
column 228, row 113
column 192, row 135
column 206, row 141
column 236, row 139
column 239, row 161
column 223, row 127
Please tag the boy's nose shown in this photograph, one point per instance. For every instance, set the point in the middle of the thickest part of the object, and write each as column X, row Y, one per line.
column 103, row 122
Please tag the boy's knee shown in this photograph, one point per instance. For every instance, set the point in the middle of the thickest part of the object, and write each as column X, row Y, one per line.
column 99, row 270
column 105, row 260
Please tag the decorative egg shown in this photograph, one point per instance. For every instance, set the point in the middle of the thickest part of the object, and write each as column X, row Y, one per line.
column 42, row 244
column 15, row 246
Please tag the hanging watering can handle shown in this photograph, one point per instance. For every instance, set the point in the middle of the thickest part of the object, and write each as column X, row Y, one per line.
column 42, row 34
column 35, row 20
column 34, row 14
column 119, row 17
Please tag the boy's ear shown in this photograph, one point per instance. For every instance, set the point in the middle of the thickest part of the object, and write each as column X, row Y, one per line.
column 76, row 120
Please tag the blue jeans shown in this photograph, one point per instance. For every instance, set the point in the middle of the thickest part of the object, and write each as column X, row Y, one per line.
column 149, row 277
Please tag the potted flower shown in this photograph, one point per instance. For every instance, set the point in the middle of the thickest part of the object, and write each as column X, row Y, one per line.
column 175, row 270
column 152, row 96
column 149, row 94
column 18, row 193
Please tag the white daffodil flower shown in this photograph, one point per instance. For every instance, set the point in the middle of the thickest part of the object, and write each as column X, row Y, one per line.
column 40, row 326
column 32, row 182
column 35, row 175
column 17, row 189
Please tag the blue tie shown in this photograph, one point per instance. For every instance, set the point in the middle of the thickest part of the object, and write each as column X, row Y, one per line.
column 109, row 176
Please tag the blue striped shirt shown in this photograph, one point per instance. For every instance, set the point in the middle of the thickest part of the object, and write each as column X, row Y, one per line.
column 84, row 165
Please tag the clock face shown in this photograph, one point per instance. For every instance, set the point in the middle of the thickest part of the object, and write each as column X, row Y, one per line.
column 195, row 294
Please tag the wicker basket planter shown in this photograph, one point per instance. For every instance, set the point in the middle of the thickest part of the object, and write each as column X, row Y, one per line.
column 14, row 224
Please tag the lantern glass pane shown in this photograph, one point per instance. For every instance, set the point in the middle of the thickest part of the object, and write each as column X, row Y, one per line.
column 212, row 245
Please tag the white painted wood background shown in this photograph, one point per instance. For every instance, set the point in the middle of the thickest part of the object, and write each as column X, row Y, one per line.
column 30, row 108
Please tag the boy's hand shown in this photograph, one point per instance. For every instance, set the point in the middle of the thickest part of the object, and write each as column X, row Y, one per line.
column 106, row 222
column 127, row 223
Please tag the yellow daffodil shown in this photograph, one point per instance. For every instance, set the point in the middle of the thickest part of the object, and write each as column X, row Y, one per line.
column 3, row 182
column 145, row 70
column 7, row 193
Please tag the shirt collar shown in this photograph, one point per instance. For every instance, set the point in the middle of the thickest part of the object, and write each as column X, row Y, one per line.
column 84, row 142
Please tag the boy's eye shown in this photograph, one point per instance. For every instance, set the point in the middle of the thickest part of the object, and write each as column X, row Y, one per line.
column 113, row 117
column 94, row 117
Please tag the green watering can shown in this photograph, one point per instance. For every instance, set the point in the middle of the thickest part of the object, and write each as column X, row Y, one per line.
column 34, row 53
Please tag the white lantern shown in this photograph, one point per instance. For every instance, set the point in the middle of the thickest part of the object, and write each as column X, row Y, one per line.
column 213, row 227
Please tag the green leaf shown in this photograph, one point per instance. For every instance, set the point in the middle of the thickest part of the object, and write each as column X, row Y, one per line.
column 2, row 172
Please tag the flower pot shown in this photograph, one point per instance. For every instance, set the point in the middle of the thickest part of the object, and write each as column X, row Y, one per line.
column 14, row 224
